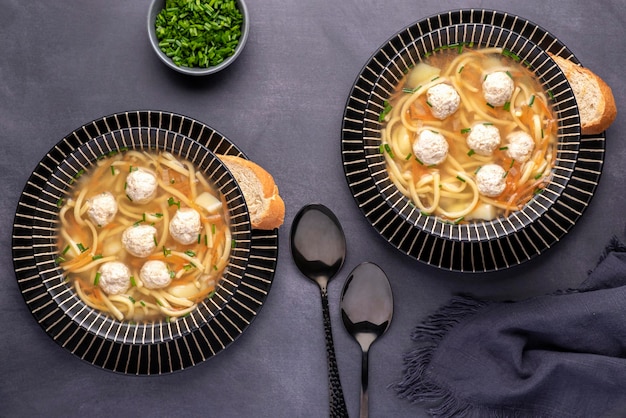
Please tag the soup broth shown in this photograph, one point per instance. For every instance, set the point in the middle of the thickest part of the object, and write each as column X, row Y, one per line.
column 461, row 111
column 144, row 237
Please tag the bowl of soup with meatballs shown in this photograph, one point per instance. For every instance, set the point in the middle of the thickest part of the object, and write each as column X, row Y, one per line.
column 152, row 233
column 460, row 140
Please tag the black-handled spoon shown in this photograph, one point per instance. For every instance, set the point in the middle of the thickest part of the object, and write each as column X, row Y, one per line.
column 318, row 247
column 366, row 311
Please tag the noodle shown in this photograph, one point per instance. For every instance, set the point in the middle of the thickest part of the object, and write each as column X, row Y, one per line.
column 449, row 189
column 86, row 246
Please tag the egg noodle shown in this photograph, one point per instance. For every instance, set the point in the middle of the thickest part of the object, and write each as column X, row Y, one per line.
column 195, row 269
column 449, row 190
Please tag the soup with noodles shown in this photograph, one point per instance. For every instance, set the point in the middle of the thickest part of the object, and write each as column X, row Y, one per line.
column 144, row 237
column 469, row 134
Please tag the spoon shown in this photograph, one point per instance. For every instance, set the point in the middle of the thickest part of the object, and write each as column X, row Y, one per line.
column 318, row 247
column 366, row 311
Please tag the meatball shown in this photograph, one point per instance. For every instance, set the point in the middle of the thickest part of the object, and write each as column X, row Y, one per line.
column 520, row 145
column 185, row 226
column 431, row 148
column 491, row 180
column 498, row 88
column 155, row 275
column 443, row 100
column 114, row 277
column 141, row 185
column 483, row 139
column 139, row 240
column 102, row 208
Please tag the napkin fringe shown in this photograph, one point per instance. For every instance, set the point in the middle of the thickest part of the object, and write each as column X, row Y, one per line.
column 416, row 385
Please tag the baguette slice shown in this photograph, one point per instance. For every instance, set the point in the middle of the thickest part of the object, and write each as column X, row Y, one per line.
column 266, row 207
column 596, row 103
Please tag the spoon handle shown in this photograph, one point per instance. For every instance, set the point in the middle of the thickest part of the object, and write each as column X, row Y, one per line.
column 364, row 409
column 337, row 402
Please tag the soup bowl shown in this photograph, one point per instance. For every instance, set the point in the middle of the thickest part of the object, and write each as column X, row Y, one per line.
column 124, row 346
column 472, row 246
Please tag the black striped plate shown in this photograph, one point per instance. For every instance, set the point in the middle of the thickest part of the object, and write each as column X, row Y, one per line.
column 480, row 246
column 121, row 346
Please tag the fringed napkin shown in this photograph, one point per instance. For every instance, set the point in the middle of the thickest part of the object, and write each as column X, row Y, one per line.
column 559, row 355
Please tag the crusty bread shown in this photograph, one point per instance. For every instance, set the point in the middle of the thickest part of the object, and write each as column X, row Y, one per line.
column 266, row 207
column 596, row 103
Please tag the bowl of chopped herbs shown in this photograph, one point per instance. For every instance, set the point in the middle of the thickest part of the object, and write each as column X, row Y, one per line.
column 198, row 37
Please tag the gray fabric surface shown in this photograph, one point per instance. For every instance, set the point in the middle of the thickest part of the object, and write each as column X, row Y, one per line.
column 66, row 63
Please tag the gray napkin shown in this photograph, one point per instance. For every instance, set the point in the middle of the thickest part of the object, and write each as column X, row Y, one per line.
column 558, row 355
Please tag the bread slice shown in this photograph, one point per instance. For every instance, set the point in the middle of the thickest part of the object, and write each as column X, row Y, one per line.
column 596, row 103
column 266, row 207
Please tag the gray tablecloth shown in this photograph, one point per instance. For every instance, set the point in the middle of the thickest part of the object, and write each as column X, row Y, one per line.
column 66, row 63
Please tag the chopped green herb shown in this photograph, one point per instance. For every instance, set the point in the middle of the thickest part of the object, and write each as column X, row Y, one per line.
column 133, row 282
column 490, row 105
column 66, row 249
column 429, row 104
column 172, row 274
column 142, row 303
column 112, row 170
column 411, row 91
column 507, row 106
column 458, row 220
column 233, row 243
column 199, row 34
column 503, row 148
column 471, row 152
column 211, row 294
column 408, row 156
column 213, row 229
column 155, row 240
column 166, row 251
column 96, row 257
column 389, row 150
column 550, row 94
column 386, row 109
column 509, row 74
column 131, row 299
column 460, row 178
column 419, row 161
column 532, row 100
column 173, row 202
column 59, row 260
column 461, row 69
column 424, row 213
column 466, row 130
column 81, row 247
column 96, row 280
column 190, row 253
column 59, row 202
column 199, row 238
